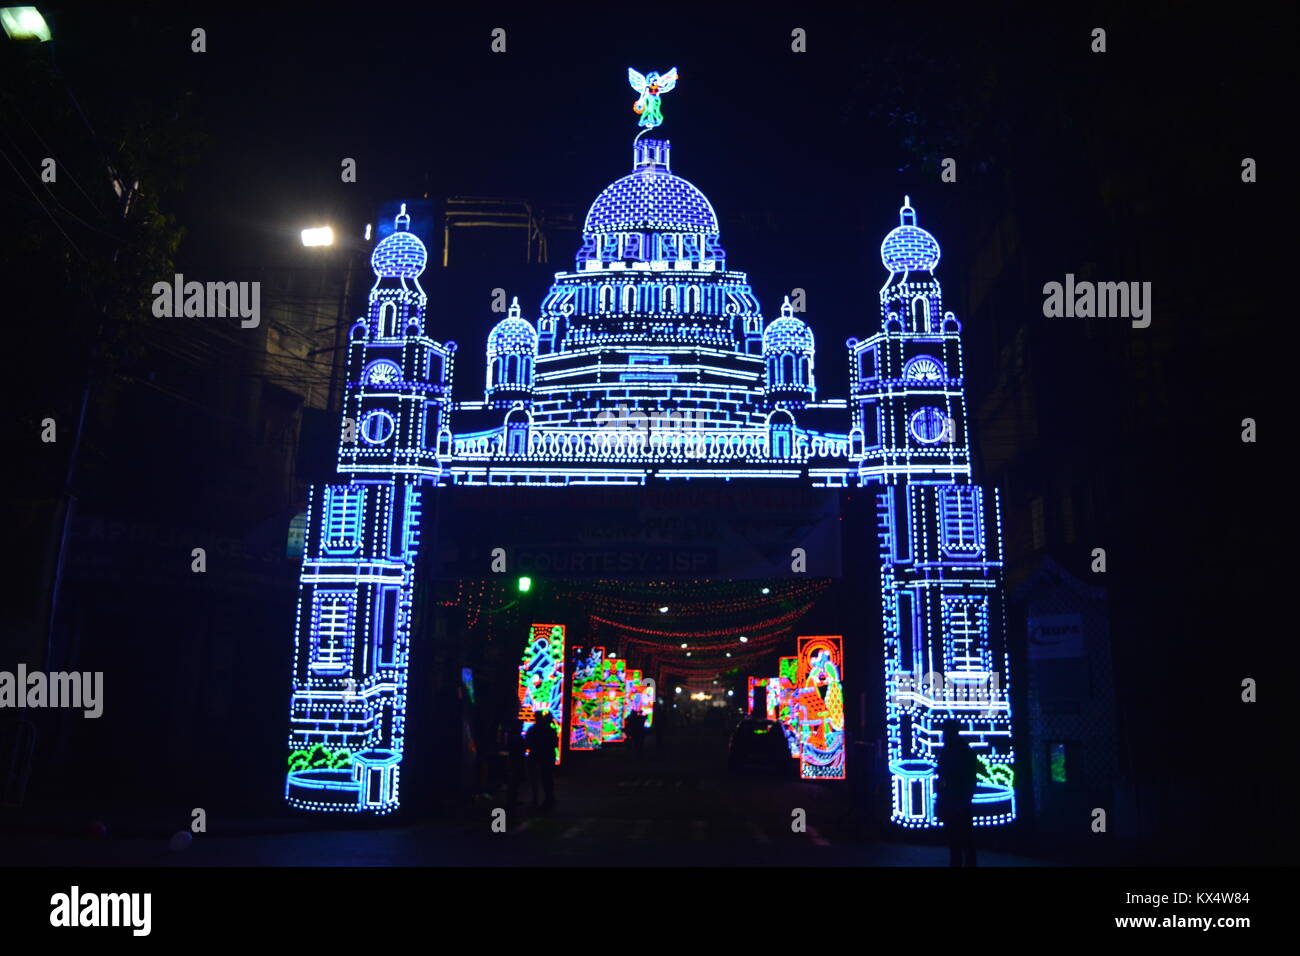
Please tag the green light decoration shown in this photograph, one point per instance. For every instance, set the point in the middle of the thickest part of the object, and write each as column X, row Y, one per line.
column 525, row 585
column 1058, row 763
column 650, row 87
column 997, row 774
column 317, row 757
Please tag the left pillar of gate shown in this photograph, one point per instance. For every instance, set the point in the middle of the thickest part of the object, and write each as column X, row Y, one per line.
column 352, row 639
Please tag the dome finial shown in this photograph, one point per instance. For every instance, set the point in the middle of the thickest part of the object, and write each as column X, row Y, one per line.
column 787, row 310
column 514, row 308
column 907, row 215
column 403, row 221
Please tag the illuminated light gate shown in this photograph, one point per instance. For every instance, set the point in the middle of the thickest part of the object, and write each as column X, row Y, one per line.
column 652, row 362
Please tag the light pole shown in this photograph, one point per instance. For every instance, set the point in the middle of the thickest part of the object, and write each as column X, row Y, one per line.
column 323, row 236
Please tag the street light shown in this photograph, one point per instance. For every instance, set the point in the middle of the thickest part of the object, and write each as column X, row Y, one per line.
column 318, row 236
column 744, row 640
column 322, row 237
column 24, row 23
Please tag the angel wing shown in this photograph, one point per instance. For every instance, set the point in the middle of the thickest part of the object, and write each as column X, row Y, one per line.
column 668, row 80
column 636, row 79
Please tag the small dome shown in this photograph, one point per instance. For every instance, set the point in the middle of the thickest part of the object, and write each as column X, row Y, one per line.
column 513, row 334
column 909, row 248
column 400, row 255
column 788, row 333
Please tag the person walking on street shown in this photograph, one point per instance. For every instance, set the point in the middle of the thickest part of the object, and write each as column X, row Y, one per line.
column 541, row 742
column 954, row 790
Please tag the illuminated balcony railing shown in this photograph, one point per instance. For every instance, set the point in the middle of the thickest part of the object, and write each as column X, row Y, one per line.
column 638, row 446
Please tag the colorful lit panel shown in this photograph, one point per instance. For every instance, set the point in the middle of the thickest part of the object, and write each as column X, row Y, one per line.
column 614, row 690
column 586, row 719
column 819, row 700
column 541, row 679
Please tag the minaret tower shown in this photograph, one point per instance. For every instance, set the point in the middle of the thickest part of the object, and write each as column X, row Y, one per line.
column 941, row 556
column 347, row 714
column 907, row 391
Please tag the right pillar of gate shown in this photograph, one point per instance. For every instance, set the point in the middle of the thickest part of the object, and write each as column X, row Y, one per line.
column 944, row 623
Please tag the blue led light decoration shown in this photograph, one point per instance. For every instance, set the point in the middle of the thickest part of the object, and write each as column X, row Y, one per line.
column 652, row 361
column 356, row 584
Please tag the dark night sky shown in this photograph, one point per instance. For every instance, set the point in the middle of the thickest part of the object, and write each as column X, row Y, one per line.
column 418, row 99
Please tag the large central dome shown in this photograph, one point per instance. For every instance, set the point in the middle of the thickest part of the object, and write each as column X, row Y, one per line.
column 651, row 199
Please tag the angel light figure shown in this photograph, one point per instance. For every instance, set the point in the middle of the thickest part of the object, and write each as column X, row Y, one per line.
column 650, row 87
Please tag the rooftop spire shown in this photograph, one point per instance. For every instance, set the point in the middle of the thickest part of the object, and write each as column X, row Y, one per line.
column 403, row 221
column 907, row 215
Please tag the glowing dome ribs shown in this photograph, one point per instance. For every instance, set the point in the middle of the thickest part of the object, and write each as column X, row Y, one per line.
column 651, row 216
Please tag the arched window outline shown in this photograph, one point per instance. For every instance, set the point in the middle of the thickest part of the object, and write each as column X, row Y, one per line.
column 693, row 299
column 787, row 370
column 512, row 370
column 920, row 314
column 606, row 298
column 924, row 368
column 670, row 298
column 629, row 298
column 381, row 372
column 388, row 319
column 805, row 371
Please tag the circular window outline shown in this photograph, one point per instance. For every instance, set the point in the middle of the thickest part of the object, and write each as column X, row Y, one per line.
column 932, row 415
column 377, row 427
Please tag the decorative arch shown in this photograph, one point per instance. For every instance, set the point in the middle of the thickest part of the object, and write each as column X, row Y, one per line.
column 920, row 314
column 388, row 319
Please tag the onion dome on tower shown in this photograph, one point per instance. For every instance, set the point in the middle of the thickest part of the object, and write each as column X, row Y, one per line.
column 511, row 357
column 401, row 255
column 788, row 352
column 397, row 301
column 909, row 248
